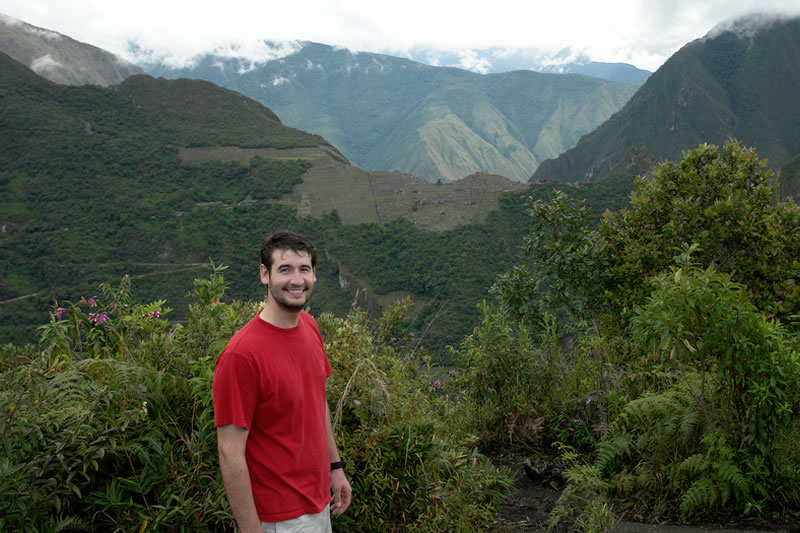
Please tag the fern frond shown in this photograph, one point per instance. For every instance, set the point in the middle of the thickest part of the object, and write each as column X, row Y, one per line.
column 703, row 494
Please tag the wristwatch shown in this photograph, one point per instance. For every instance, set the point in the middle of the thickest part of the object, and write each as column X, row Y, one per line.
column 338, row 464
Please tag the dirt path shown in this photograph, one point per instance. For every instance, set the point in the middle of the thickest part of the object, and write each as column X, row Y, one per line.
column 526, row 510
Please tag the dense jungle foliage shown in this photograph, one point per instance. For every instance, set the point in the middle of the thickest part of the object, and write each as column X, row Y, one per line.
column 655, row 351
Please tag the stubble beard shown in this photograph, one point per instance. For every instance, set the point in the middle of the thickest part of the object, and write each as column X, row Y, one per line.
column 284, row 302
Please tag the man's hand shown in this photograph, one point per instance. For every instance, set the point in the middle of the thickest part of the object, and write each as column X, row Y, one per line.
column 341, row 490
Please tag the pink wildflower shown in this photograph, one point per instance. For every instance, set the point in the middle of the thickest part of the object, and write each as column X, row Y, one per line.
column 437, row 384
column 91, row 301
column 61, row 313
column 98, row 318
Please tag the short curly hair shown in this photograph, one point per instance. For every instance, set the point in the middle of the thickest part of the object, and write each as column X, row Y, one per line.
column 286, row 240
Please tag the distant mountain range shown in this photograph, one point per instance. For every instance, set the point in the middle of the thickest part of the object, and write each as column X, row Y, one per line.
column 741, row 80
column 437, row 123
column 384, row 112
column 60, row 58
column 497, row 60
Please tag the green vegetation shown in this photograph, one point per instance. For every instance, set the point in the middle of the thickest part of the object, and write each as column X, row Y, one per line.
column 94, row 188
column 677, row 394
column 108, row 424
column 655, row 347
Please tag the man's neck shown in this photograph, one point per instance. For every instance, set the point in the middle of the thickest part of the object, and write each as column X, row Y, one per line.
column 278, row 316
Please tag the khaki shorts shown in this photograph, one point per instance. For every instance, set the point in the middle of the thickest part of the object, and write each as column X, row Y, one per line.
column 308, row 523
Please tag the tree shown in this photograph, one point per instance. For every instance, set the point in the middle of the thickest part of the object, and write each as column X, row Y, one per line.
column 724, row 201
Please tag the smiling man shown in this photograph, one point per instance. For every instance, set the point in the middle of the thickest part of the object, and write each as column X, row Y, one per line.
column 277, row 453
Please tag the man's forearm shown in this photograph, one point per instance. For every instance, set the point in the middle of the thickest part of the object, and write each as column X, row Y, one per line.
column 239, row 491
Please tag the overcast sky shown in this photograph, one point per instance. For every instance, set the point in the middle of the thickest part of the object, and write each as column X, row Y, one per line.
column 644, row 33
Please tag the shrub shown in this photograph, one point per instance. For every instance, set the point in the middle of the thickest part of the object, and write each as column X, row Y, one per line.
column 721, row 439
column 109, row 426
column 412, row 468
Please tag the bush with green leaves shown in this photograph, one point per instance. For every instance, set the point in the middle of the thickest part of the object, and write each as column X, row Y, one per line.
column 523, row 386
column 699, row 367
column 413, row 468
column 725, row 200
column 746, row 386
column 723, row 438
column 109, row 425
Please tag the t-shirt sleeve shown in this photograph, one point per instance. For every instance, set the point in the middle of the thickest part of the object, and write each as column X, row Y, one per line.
column 235, row 390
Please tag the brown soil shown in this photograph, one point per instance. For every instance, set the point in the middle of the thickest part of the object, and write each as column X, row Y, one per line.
column 526, row 509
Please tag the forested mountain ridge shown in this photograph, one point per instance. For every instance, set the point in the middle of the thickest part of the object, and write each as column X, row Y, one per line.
column 152, row 178
column 741, row 80
column 389, row 113
column 60, row 58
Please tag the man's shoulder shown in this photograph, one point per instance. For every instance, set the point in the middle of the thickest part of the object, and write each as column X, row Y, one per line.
column 309, row 321
column 305, row 316
column 240, row 341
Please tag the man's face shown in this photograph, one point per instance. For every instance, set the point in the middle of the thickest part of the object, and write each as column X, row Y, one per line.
column 291, row 279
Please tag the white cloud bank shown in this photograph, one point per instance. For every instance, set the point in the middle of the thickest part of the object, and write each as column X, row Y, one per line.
column 642, row 32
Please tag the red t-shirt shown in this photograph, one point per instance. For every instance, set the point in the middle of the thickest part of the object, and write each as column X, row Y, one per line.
column 271, row 381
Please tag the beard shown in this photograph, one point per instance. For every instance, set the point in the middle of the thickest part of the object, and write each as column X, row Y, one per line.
column 287, row 300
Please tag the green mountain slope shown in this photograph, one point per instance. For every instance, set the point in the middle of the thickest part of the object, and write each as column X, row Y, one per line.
column 153, row 178
column 388, row 113
column 92, row 187
column 59, row 58
column 739, row 81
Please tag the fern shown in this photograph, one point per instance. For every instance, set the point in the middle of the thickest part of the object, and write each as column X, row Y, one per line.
column 703, row 494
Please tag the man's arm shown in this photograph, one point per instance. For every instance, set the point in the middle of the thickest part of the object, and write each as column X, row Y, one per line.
column 339, row 484
column 231, row 443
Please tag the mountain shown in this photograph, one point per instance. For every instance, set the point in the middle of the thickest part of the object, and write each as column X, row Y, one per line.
column 154, row 177
column 741, row 80
column 389, row 113
column 59, row 58
column 498, row 60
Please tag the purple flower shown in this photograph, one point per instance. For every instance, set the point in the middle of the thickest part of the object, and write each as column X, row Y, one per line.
column 437, row 384
column 91, row 301
column 156, row 313
column 99, row 318
column 452, row 373
column 61, row 313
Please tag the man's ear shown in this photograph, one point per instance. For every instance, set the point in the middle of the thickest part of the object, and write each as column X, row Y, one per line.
column 263, row 274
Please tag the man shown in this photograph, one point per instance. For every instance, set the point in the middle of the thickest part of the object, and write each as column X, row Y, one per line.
column 277, row 452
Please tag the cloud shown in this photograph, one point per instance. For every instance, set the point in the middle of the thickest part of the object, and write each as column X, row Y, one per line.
column 469, row 60
column 252, row 52
column 747, row 25
column 10, row 21
column 47, row 34
column 44, row 64
column 639, row 31
column 277, row 81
